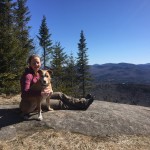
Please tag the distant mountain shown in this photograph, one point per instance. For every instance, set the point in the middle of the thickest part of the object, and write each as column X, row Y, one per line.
column 121, row 73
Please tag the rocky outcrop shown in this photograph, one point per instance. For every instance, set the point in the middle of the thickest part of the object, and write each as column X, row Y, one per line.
column 101, row 119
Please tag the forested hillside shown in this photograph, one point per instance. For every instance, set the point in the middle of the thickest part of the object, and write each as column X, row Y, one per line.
column 121, row 73
column 122, row 83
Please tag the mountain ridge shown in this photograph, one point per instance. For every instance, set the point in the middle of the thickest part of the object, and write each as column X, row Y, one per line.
column 121, row 73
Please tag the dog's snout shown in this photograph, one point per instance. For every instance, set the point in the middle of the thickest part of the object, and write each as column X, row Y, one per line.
column 44, row 81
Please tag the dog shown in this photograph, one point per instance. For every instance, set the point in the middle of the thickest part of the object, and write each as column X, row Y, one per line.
column 43, row 84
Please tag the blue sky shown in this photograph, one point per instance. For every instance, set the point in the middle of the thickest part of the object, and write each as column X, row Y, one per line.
column 115, row 30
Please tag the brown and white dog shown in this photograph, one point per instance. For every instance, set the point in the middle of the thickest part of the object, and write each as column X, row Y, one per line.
column 43, row 84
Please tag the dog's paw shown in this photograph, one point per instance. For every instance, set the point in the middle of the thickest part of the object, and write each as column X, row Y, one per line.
column 50, row 109
column 40, row 118
column 50, row 93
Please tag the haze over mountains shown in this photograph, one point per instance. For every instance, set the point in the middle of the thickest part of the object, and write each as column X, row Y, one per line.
column 121, row 73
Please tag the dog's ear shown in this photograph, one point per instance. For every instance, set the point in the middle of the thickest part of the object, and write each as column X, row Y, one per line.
column 50, row 71
column 40, row 71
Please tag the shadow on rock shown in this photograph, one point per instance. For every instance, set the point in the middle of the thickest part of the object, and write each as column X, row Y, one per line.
column 9, row 116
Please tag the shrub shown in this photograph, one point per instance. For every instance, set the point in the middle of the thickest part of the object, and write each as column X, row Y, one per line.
column 9, row 83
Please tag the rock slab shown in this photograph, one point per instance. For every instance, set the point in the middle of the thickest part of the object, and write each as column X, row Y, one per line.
column 101, row 119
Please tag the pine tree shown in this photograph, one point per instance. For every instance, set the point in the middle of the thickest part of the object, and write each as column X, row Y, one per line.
column 82, row 64
column 58, row 63
column 15, row 42
column 6, row 34
column 45, row 41
column 6, row 13
column 8, row 44
column 71, row 76
column 11, row 53
column 21, row 18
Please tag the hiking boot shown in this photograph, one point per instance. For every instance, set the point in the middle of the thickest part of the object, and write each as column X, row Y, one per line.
column 88, row 96
column 89, row 101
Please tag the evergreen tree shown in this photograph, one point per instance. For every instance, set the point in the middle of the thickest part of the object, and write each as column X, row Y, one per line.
column 11, row 53
column 8, row 44
column 58, row 63
column 82, row 65
column 6, row 10
column 14, row 36
column 21, row 18
column 45, row 41
column 6, row 34
column 71, row 76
